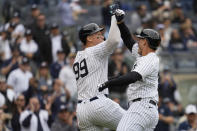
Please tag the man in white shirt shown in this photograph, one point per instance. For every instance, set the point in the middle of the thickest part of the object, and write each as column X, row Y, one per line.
column 34, row 118
column 19, row 78
column 57, row 42
column 28, row 46
column 19, row 29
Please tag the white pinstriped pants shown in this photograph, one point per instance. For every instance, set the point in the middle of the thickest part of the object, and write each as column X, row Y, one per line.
column 102, row 112
column 141, row 116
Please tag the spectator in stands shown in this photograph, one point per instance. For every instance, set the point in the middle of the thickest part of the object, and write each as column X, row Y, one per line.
column 5, row 49
column 176, row 42
column 191, row 123
column 7, row 93
column 9, row 32
column 58, row 65
column 41, row 36
column 167, row 85
column 34, row 118
column 19, row 78
column 64, row 120
column 167, row 90
column 165, row 116
column 19, row 30
column 138, row 16
column 32, row 90
column 57, row 42
column 177, row 15
column 188, row 36
column 163, row 11
column 77, row 9
column 18, row 109
column 35, row 11
column 67, row 76
column 28, row 46
column 12, row 63
column 60, row 95
column 67, row 20
column 44, row 78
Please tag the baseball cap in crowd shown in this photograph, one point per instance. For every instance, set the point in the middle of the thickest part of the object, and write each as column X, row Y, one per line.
column 62, row 107
column 16, row 15
column 28, row 32
column 54, row 26
column 34, row 7
column 190, row 109
column 44, row 65
column 24, row 61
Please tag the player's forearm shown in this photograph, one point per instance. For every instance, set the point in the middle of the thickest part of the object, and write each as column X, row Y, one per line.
column 114, row 35
column 124, row 80
column 126, row 36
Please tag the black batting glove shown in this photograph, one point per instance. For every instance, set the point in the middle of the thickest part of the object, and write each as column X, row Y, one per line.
column 120, row 14
column 101, row 87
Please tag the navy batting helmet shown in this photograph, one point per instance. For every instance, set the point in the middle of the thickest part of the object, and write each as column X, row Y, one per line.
column 87, row 30
column 152, row 37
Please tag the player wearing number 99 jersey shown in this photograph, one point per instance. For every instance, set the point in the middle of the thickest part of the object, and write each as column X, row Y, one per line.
column 94, row 109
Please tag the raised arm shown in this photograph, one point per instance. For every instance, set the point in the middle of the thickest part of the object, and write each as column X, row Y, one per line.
column 124, row 31
column 114, row 35
column 126, row 36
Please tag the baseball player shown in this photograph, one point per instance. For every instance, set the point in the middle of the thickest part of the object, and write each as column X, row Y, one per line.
column 142, row 114
column 94, row 109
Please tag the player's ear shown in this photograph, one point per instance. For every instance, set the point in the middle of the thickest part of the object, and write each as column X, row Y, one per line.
column 89, row 38
column 145, row 43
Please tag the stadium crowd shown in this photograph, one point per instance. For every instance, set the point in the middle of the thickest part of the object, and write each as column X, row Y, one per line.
column 37, row 51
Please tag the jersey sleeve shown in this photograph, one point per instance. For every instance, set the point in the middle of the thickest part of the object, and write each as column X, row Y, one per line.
column 107, row 47
column 135, row 51
column 145, row 66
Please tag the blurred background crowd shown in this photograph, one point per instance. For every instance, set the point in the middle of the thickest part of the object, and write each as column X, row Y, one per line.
column 38, row 44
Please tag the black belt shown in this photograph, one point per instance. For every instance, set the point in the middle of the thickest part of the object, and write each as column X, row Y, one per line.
column 93, row 98
column 139, row 99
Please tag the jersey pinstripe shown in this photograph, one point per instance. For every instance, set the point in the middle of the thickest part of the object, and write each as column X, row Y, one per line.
column 148, row 67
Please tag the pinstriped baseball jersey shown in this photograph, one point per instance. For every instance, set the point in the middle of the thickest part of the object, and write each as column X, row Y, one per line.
column 90, row 68
column 91, row 64
column 148, row 67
